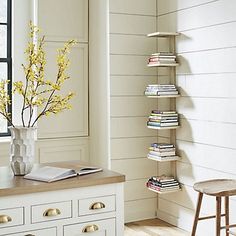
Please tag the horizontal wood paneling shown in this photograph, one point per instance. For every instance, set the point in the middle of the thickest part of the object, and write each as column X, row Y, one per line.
column 139, row 7
column 195, row 108
column 132, row 106
column 133, row 127
column 140, row 209
column 215, row 61
column 125, row 148
column 208, row 156
column 206, row 77
column 132, row 24
column 139, row 168
column 130, row 65
column 189, row 174
column 208, row 38
column 212, row 133
column 207, row 85
column 167, row 6
column 132, row 44
column 130, row 85
column 130, row 21
column 196, row 17
column 136, row 189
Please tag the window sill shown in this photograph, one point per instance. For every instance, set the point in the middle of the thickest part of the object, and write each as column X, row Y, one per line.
column 5, row 139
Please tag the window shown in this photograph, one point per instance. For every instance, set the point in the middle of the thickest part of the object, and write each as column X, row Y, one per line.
column 5, row 53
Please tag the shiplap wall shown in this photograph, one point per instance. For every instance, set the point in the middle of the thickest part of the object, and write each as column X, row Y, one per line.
column 130, row 21
column 207, row 77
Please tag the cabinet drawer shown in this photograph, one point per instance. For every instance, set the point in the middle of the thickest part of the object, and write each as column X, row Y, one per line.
column 95, row 228
column 41, row 232
column 97, row 205
column 51, row 211
column 11, row 217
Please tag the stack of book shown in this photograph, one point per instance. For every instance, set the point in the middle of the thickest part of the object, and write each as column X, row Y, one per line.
column 162, row 152
column 159, row 119
column 161, row 58
column 163, row 184
column 161, row 90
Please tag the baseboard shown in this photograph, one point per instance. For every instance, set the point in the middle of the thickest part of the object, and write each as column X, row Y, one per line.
column 167, row 218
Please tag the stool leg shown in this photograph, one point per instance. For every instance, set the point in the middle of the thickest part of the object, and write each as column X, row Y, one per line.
column 218, row 215
column 227, row 215
column 199, row 203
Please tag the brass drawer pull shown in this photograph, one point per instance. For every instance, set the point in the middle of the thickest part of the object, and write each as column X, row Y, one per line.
column 52, row 212
column 29, row 235
column 97, row 205
column 90, row 228
column 5, row 219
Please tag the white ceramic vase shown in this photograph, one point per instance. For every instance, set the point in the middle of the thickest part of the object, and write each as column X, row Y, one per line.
column 22, row 149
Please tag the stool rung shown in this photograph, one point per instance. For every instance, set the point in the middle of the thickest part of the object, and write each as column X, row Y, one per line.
column 209, row 217
column 228, row 226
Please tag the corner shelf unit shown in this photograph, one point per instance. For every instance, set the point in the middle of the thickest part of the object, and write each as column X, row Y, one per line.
column 171, row 36
column 163, row 34
column 163, row 65
column 164, row 96
column 160, row 192
column 157, row 127
column 172, row 158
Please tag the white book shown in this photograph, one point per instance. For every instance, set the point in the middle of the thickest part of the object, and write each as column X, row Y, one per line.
column 51, row 173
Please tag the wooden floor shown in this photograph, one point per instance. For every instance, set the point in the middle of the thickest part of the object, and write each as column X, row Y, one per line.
column 153, row 227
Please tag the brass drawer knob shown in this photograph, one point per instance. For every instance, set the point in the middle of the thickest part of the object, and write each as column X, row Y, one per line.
column 97, row 205
column 5, row 219
column 52, row 212
column 90, row 228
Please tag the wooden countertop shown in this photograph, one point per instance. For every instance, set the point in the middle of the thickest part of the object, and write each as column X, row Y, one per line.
column 15, row 185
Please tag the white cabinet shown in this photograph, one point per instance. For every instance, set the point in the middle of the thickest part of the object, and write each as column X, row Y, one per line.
column 11, row 217
column 96, row 210
column 51, row 211
column 97, row 205
column 41, row 232
column 94, row 228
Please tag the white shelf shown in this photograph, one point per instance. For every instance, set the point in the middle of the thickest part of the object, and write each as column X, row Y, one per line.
column 164, row 65
column 169, row 127
column 163, row 34
column 174, row 158
column 163, row 96
column 159, row 192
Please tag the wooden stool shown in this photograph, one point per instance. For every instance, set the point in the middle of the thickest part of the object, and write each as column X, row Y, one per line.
column 218, row 188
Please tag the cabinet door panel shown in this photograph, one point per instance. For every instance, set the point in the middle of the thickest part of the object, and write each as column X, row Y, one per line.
column 74, row 122
column 62, row 20
column 42, row 232
column 97, row 228
column 12, row 217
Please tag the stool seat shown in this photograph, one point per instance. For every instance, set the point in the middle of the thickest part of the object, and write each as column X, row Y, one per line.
column 217, row 187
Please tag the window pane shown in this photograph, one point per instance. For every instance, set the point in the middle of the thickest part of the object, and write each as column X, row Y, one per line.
column 3, row 125
column 3, row 75
column 3, row 11
column 3, row 41
column 3, row 71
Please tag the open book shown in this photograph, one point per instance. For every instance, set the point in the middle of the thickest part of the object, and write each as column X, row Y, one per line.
column 51, row 174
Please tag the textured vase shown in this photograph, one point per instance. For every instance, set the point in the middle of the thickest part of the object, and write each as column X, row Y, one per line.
column 22, row 150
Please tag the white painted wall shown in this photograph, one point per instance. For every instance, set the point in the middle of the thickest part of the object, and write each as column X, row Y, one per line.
column 63, row 137
column 206, row 76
